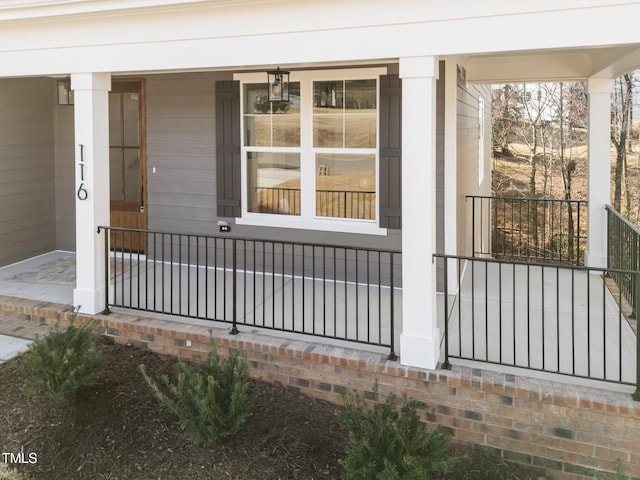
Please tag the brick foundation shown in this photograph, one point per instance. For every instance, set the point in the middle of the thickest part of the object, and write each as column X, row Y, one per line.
column 564, row 431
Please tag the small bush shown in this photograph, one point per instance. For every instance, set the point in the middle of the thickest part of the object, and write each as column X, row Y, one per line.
column 389, row 443
column 210, row 399
column 57, row 365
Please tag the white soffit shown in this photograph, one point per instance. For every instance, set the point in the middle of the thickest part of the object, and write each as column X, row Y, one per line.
column 561, row 65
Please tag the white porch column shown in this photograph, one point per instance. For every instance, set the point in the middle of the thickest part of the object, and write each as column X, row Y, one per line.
column 419, row 341
column 451, row 164
column 599, row 180
column 91, row 125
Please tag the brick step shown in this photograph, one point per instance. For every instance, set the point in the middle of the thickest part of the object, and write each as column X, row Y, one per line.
column 23, row 325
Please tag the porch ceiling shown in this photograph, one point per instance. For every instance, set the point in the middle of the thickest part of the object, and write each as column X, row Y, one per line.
column 553, row 65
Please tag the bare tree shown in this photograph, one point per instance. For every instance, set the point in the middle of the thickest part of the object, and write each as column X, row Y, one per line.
column 535, row 106
column 506, row 110
column 620, row 116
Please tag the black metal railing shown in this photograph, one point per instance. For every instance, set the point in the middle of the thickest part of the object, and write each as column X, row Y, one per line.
column 559, row 319
column 329, row 203
column 623, row 252
column 529, row 229
column 343, row 293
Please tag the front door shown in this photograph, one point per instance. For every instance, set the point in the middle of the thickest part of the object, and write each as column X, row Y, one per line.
column 127, row 162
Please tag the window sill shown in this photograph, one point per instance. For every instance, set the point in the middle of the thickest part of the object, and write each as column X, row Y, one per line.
column 328, row 225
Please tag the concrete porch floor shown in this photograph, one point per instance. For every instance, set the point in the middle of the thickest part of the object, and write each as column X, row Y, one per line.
column 51, row 278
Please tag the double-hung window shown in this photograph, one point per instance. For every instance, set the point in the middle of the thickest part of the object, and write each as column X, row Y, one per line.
column 312, row 162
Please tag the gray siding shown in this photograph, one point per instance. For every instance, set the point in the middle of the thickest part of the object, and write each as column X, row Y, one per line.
column 181, row 192
column 468, row 154
column 27, row 191
column 64, row 178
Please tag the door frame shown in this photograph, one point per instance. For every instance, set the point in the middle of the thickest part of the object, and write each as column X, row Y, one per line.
column 124, row 85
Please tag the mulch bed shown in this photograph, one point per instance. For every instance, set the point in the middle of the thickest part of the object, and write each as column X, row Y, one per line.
column 116, row 430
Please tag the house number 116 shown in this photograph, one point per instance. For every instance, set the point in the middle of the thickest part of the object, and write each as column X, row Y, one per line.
column 82, row 191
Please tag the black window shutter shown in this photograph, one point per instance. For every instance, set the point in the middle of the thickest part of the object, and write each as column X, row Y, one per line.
column 390, row 151
column 228, row 181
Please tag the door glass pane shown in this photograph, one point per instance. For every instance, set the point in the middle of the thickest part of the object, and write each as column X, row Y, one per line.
column 131, row 175
column 116, row 179
column 273, row 183
column 130, row 108
column 115, row 133
column 346, row 186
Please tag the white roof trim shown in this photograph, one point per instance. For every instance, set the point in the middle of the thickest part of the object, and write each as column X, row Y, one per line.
column 30, row 9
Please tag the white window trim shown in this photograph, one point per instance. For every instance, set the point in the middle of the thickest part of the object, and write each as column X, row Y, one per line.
column 307, row 219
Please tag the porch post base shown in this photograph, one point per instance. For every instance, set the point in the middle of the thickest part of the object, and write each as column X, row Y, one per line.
column 595, row 261
column 90, row 302
column 421, row 352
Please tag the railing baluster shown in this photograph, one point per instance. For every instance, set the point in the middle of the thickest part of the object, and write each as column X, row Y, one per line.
column 188, row 275
column 234, row 328
column 224, row 279
column 446, row 365
column 107, row 265
column 392, row 354
column 636, row 394
column 528, row 315
column 543, row 326
column 206, row 277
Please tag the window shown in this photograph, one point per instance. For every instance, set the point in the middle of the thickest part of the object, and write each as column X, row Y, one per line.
column 313, row 162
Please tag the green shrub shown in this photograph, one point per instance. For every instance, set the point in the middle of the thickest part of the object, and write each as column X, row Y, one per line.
column 388, row 442
column 210, row 399
column 57, row 365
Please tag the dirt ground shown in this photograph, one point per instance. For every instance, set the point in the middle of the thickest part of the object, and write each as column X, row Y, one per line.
column 116, row 430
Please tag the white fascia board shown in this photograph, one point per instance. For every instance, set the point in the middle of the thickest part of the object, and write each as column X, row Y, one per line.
column 216, row 35
column 32, row 9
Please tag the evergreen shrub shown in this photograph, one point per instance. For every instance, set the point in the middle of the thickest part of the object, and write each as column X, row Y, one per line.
column 388, row 442
column 57, row 365
column 210, row 399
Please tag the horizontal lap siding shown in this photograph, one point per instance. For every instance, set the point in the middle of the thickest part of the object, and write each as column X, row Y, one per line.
column 27, row 172
column 65, row 178
column 467, row 144
column 181, row 148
